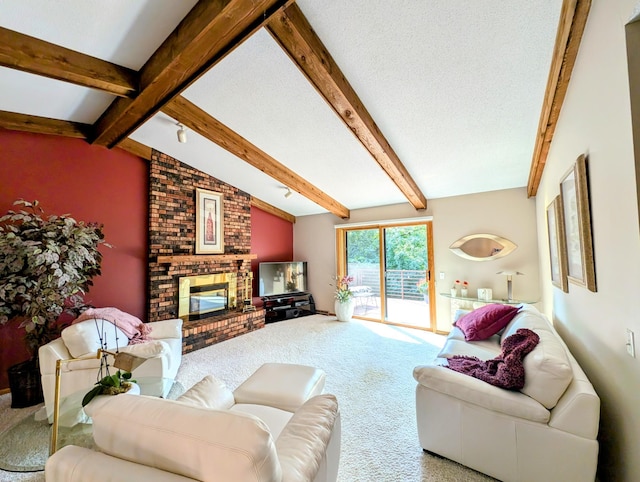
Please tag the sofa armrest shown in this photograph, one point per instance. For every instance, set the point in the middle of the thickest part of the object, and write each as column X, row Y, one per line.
column 51, row 352
column 477, row 392
column 166, row 329
column 79, row 464
column 303, row 442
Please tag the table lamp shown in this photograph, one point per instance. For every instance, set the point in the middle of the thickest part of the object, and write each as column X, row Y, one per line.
column 509, row 275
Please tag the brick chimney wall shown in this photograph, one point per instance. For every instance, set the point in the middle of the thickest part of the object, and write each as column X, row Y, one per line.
column 172, row 231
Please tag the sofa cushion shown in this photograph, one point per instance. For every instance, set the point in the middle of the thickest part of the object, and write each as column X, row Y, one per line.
column 483, row 349
column 547, row 370
column 486, row 321
column 194, row 442
column 83, row 338
column 474, row 391
column 527, row 317
column 210, row 393
column 148, row 349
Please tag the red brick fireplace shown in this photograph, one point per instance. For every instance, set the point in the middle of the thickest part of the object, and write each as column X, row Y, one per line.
column 172, row 236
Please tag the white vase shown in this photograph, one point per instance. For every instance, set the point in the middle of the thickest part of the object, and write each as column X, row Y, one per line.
column 464, row 293
column 344, row 310
column 454, row 292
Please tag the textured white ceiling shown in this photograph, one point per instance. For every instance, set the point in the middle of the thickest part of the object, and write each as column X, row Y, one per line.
column 456, row 86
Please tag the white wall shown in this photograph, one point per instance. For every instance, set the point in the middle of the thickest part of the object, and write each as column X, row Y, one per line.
column 596, row 120
column 506, row 213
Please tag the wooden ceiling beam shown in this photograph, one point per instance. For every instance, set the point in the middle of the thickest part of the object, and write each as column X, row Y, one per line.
column 207, row 126
column 293, row 32
column 211, row 30
column 136, row 148
column 266, row 207
column 43, row 125
column 35, row 56
column 573, row 18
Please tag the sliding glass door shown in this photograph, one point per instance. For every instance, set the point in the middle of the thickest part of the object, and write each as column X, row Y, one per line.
column 390, row 266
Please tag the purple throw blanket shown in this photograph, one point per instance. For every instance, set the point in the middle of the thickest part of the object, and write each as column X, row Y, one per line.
column 507, row 369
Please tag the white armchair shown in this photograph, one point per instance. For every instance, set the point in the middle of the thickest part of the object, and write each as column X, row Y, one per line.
column 213, row 434
column 81, row 342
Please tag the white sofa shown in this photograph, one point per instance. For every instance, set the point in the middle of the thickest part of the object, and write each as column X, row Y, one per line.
column 545, row 432
column 82, row 341
column 213, row 434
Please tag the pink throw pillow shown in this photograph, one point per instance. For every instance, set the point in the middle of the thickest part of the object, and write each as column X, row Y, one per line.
column 486, row 321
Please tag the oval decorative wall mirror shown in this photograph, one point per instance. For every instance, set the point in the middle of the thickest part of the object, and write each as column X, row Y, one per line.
column 482, row 247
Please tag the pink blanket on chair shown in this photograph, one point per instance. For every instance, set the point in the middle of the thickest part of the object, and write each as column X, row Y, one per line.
column 507, row 369
column 136, row 330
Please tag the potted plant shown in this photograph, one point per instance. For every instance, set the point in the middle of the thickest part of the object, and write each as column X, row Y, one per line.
column 120, row 382
column 344, row 305
column 46, row 264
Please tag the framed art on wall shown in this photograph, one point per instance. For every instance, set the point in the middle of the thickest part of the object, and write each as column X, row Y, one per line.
column 574, row 191
column 209, row 222
column 557, row 246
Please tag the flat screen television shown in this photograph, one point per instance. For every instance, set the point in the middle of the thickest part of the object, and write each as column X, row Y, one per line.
column 279, row 278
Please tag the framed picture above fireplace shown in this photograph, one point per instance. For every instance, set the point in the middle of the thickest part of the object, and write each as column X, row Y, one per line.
column 209, row 222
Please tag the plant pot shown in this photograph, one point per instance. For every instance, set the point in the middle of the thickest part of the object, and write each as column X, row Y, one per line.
column 344, row 310
column 25, row 384
column 98, row 400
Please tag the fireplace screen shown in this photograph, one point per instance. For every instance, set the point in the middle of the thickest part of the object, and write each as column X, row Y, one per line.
column 206, row 295
column 207, row 300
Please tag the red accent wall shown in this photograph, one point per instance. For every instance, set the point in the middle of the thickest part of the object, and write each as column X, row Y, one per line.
column 92, row 184
column 271, row 240
column 111, row 187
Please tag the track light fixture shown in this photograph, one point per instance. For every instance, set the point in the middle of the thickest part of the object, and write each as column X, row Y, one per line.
column 288, row 194
column 182, row 134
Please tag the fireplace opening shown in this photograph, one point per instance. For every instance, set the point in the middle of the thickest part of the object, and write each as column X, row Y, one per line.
column 208, row 300
column 208, row 295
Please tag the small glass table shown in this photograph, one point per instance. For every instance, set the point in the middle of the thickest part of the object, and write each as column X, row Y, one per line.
column 75, row 424
column 503, row 302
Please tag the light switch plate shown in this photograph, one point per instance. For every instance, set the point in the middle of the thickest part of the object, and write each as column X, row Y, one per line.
column 631, row 347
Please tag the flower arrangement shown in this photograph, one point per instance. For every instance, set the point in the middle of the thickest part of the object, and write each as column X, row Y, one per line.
column 464, row 291
column 343, row 293
column 423, row 286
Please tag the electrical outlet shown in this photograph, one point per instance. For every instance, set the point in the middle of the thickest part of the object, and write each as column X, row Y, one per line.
column 631, row 347
column 441, row 274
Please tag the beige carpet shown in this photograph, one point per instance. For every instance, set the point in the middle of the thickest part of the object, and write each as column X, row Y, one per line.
column 369, row 368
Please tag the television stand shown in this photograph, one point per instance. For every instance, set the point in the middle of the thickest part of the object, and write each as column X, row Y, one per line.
column 287, row 306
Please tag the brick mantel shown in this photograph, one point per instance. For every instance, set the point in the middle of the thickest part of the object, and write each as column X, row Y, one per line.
column 204, row 257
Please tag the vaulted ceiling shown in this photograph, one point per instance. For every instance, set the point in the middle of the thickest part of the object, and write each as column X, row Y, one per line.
column 351, row 104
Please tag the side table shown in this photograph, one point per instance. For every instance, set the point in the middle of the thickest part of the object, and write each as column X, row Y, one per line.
column 465, row 303
column 75, row 425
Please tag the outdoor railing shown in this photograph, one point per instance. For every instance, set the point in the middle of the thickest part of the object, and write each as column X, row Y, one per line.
column 401, row 284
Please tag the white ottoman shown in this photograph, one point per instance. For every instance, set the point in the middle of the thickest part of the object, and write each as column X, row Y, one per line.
column 281, row 385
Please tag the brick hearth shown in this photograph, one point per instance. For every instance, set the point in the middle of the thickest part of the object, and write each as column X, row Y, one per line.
column 172, row 232
column 202, row 333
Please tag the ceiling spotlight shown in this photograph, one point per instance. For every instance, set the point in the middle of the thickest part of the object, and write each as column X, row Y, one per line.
column 182, row 134
column 288, row 193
